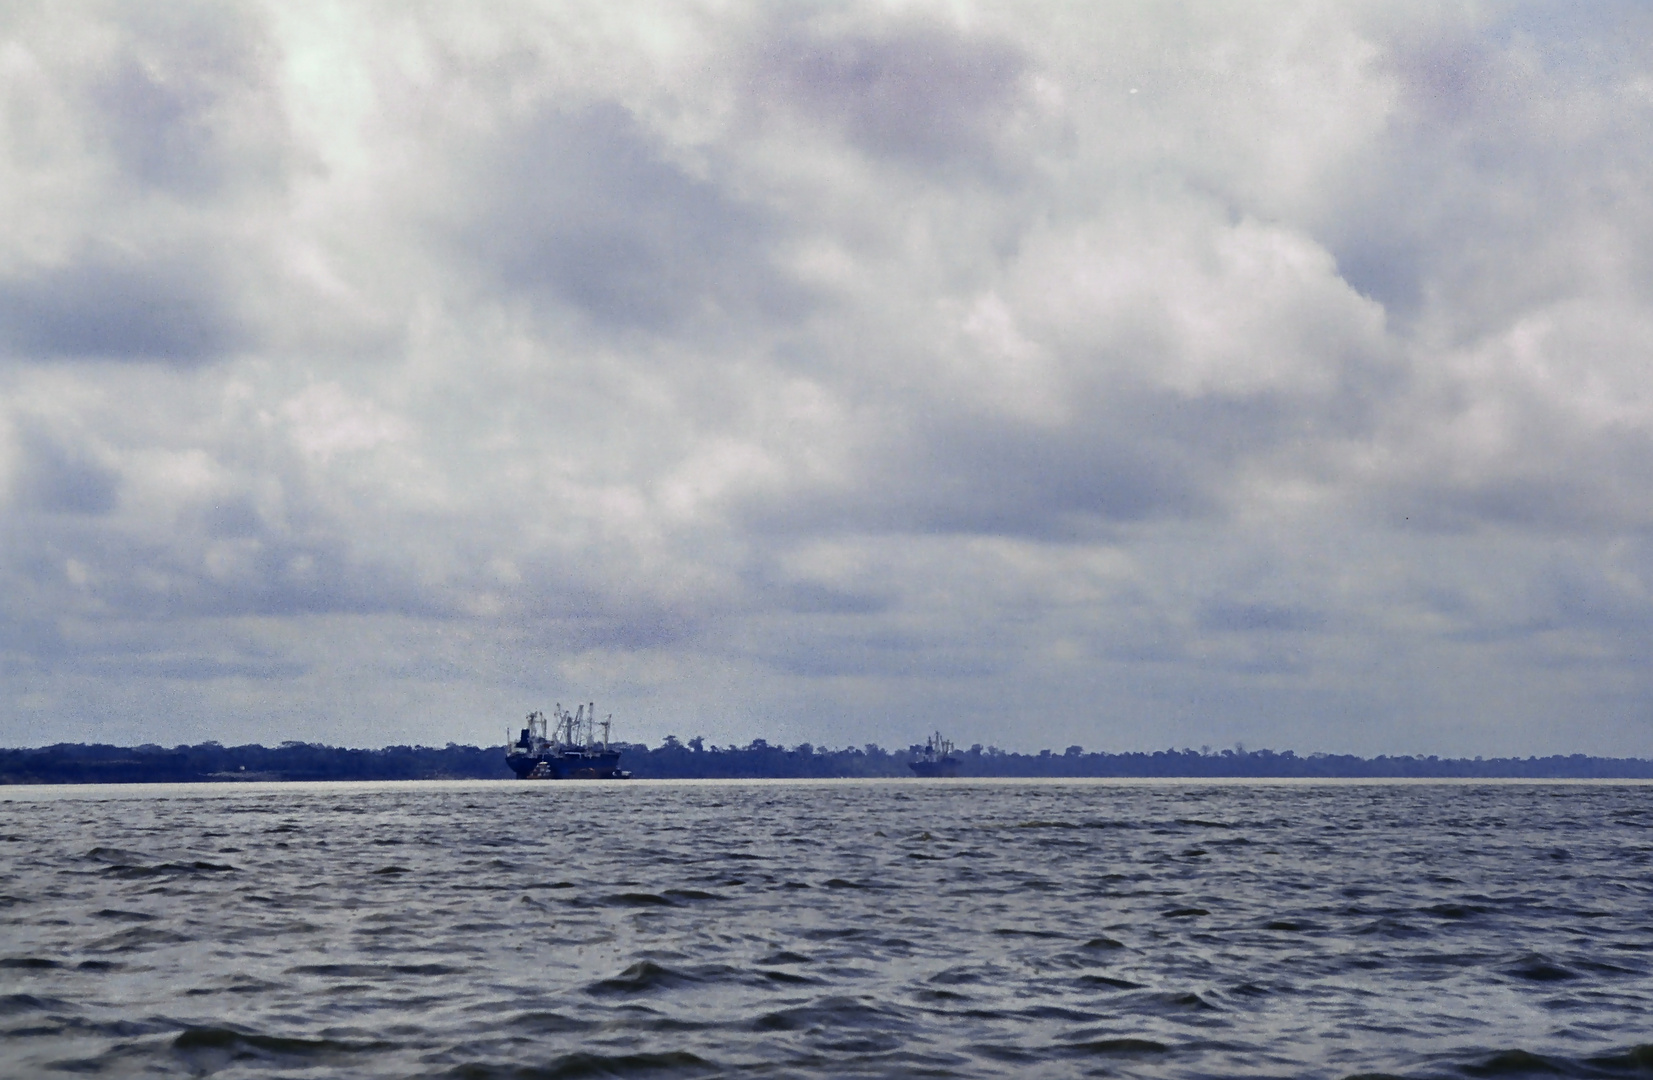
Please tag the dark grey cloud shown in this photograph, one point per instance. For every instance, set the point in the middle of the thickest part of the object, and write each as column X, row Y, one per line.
column 1010, row 482
column 207, row 556
column 147, row 578
column 1237, row 616
column 187, row 103
column 773, row 588
column 1130, row 456
column 918, row 91
column 813, row 598
column 109, row 307
column 31, row 636
column 1495, row 160
column 160, row 133
column 151, row 149
column 1546, row 503
column 1586, row 614
column 583, row 207
column 603, row 628
column 56, row 476
column 862, row 652
column 191, row 668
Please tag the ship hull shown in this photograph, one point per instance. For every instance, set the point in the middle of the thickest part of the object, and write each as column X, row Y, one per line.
column 944, row 767
column 602, row 765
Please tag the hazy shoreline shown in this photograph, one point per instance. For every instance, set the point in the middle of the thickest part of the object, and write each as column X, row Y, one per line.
column 73, row 763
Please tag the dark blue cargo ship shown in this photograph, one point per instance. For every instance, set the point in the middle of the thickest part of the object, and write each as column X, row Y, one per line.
column 936, row 759
column 568, row 751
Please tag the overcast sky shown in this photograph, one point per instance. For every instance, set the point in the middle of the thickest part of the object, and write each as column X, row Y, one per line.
column 1128, row 375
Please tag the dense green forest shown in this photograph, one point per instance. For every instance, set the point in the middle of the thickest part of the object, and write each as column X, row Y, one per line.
column 75, row 763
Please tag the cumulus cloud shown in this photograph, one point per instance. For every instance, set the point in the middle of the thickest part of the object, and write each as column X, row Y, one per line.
column 829, row 373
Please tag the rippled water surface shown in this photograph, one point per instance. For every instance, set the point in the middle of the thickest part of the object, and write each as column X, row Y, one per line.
column 827, row 929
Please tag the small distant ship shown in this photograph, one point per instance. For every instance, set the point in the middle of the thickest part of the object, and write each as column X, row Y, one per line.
column 566, row 750
column 936, row 759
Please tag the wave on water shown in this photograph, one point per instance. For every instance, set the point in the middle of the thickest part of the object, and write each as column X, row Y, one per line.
column 580, row 1066
column 853, row 930
column 211, row 1048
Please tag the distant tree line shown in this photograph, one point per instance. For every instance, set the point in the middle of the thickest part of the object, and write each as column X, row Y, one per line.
column 76, row 763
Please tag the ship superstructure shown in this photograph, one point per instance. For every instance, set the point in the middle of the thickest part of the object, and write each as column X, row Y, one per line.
column 936, row 759
column 565, row 746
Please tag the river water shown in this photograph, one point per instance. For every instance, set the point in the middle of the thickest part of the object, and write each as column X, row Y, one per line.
column 827, row 929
